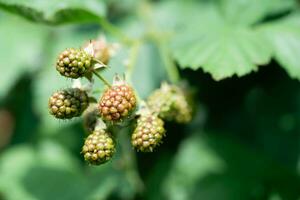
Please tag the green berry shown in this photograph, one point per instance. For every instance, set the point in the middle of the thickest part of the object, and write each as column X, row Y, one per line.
column 171, row 103
column 117, row 103
column 98, row 147
column 68, row 103
column 148, row 133
column 73, row 63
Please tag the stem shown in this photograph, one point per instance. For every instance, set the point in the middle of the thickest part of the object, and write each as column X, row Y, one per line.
column 102, row 79
column 132, row 59
column 160, row 39
column 113, row 30
column 130, row 162
column 169, row 64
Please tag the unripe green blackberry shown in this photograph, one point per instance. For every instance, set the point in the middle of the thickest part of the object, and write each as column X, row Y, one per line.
column 117, row 103
column 98, row 147
column 73, row 63
column 171, row 103
column 148, row 133
column 68, row 103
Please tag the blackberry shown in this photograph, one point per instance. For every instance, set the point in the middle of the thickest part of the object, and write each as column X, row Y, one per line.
column 117, row 103
column 98, row 147
column 68, row 103
column 148, row 133
column 73, row 63
column 101, row 50
column 171, row 103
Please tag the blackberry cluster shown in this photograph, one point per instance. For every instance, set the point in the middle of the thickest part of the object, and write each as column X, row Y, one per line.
column 73, row 63
column 117, row 103
column 98, row 147
column 116, row 106
column 148, row 133
column 68, row 103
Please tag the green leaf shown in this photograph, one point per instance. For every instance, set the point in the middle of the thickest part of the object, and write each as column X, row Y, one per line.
column 284, row 36
column 221, row 49
column 149, row 70
column 23, row 168
column 194, row 161
column 49, row 171
column 213, row 166
column 56, row 11
column 250, row 12
column 23, row 43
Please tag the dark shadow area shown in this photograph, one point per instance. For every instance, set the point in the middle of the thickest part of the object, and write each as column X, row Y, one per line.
column 19, row 103
column 261, row 110
column 248, row 175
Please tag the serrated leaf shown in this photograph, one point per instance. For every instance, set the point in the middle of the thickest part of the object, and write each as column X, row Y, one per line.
column 221, row 49
column 250, row 12
column 284, row 36
column 56, row 11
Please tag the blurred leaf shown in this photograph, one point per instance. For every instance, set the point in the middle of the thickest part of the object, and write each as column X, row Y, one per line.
column 212, row 167
column 21, row 49
column 249, row 12
column 50, row 172
column 56, row 11
column 194, row 161
column 145, row 59
column 284, row 36
column 148, row 71
column 24, row 163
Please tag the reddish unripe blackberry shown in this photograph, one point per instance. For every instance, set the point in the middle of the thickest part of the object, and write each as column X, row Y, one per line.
column 101, row 49
column 98, row 147
column 148, row 133
column 117, row 103
column 73, row 63
column 68, row 103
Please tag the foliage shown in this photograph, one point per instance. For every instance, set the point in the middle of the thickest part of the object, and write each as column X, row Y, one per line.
column 243, row 142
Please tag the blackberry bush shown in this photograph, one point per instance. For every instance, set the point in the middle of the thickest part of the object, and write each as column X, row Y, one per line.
column 117, row 106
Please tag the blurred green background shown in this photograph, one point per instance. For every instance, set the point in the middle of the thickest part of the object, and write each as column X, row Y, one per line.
column 243, row 143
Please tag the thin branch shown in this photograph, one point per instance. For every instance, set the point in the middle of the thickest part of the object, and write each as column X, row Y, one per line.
column 102, row 79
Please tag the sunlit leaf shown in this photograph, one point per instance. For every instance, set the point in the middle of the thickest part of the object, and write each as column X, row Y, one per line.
column 56, row 12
